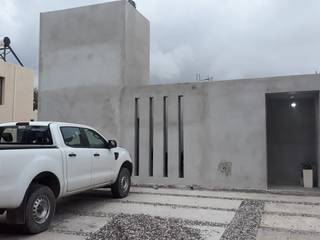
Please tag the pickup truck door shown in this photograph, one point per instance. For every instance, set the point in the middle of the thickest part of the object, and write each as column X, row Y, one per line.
column 103, row 159
column 79, row 160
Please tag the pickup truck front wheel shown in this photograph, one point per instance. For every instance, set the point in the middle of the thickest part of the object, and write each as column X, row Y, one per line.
column 121, row 187
column 39, row 209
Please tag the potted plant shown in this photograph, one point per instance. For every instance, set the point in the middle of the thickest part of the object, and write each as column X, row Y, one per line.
column 307, row 174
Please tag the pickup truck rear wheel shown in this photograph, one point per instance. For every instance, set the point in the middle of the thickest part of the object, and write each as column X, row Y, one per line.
column 121, row 187
column 39, row 209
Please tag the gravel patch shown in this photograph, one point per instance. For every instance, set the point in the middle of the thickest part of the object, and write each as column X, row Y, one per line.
column 145, row 227
column 245, row 223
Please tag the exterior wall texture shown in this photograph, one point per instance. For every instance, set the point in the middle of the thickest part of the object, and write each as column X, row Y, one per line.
column 94, row 69
column 17, row 99
column 224, row 130
column 87, row 55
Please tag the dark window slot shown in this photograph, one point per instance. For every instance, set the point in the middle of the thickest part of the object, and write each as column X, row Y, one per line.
column 136, row 138
column 151, row 137
column 1, row 90
column 181, row 137
column 165, row 137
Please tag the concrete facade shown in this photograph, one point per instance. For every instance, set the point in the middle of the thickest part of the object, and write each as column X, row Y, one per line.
column 94, row 69
column 224, row 127
column 87, row 55
column 17, row 93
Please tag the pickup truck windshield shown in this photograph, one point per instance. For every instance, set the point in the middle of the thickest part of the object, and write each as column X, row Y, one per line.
column 25, row 135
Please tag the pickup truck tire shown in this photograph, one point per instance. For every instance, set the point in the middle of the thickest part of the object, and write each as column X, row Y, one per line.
column 121, row 187
column 39, row 209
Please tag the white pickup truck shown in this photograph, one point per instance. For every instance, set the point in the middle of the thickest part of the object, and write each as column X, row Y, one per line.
column 43, row 161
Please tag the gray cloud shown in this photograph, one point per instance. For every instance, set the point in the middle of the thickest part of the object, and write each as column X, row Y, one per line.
column 223, row 38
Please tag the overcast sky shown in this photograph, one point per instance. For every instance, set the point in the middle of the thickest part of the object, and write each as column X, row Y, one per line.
column 225, row 39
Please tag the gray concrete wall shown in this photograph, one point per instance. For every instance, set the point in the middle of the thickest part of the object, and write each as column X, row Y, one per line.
column 87, row 55
column 137, row 48
column 94, row 63
column 194, row 118
column 225, row 129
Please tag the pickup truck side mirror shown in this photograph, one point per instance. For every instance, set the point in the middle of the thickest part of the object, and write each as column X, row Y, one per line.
column 112, row 144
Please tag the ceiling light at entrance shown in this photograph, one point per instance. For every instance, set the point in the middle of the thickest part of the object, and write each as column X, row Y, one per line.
column 293, row 104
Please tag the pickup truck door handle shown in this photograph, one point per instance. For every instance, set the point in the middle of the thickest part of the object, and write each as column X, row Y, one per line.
column 96, row 155
column 72, row 155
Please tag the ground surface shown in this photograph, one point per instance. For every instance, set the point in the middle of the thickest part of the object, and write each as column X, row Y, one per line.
column 180, row 214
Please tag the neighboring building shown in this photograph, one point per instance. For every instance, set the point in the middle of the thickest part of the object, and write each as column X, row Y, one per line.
column 94, row 69
column 16, row 93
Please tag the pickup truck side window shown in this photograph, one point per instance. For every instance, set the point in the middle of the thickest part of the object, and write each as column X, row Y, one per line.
column 94, row 139
column 73, row 137
column 25, row 135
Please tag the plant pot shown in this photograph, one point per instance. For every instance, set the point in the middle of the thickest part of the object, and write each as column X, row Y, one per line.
column 308, row 178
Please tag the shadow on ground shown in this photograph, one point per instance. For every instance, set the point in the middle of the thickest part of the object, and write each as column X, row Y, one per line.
column 79, row 201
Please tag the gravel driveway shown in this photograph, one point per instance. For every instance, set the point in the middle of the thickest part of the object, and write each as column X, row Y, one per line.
column 180, row 214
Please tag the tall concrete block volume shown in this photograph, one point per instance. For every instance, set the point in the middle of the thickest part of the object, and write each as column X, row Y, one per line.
column 87, row 55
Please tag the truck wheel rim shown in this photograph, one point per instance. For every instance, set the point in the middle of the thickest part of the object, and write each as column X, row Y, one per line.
column 41, row 209
column 124, row 183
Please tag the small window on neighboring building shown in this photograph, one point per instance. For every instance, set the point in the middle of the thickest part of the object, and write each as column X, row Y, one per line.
column 1, row 90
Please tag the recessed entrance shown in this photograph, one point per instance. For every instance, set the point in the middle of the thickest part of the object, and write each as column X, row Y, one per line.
column 291, row 135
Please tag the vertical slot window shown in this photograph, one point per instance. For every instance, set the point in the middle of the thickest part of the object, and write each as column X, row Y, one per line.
column 165, row 136
column 1, row 90
column 151, row 137
column 181, row 137
column 136, row 137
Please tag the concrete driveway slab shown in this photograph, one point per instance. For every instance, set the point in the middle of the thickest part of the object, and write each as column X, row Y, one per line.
column 292, row 208
column 74, row 224
column 180, row 200
column 169, row 213
column 291, row 223
column 215, row 216
column 270, row 234
column 44, row 236
column 238, row 195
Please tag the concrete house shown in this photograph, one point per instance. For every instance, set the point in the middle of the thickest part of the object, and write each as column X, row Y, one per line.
column 16, row 93
column 248, row 133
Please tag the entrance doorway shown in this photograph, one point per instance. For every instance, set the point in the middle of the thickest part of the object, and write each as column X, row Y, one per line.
column 291, row 136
